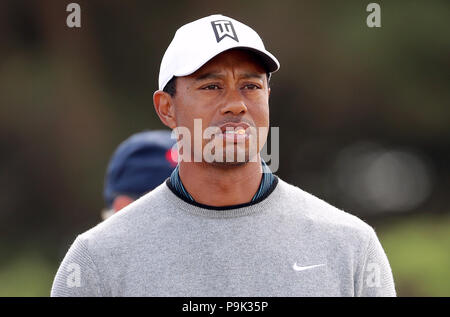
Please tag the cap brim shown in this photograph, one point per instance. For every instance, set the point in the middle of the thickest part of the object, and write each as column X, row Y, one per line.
column 267, row 59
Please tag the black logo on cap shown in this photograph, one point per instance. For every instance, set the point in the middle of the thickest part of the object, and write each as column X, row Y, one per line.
column 222, row 29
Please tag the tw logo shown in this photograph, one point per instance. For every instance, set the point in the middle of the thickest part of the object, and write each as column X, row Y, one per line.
column 222, row 29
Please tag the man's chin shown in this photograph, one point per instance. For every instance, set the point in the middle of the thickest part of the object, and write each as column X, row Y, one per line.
column 234, row 162
column 228, row 164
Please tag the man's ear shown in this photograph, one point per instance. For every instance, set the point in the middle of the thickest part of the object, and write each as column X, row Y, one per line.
column 165, row 108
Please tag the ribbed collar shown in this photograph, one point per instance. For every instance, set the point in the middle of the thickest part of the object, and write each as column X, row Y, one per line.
column 267, row 202
column 265, row 185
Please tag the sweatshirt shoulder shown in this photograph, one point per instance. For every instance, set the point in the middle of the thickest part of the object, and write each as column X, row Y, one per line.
column 320, row 213
column 129, row 224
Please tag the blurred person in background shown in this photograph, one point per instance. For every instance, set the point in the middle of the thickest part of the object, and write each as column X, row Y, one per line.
column 140, row 163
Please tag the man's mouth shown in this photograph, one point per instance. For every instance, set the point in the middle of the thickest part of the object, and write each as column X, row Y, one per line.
column 234, row 132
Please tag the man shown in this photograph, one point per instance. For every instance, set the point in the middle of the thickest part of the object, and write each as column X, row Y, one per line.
column 224, row 227
column 139, row 164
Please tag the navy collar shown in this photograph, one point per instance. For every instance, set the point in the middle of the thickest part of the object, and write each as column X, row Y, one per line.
column 268, row 183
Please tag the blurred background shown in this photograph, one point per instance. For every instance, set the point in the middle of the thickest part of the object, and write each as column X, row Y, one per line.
column 364, row 117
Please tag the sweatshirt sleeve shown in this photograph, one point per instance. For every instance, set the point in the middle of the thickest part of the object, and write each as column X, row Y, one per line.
column 77, row 275
column 376, row 278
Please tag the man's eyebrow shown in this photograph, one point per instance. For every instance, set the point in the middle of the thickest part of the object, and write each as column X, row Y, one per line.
column 208, row 76
column 214, row 75
column 253, row 75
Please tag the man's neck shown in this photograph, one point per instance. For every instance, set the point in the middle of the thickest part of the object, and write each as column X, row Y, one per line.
column 214, row 185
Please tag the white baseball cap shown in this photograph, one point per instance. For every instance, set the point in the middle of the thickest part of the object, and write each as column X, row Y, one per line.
column 195, row 43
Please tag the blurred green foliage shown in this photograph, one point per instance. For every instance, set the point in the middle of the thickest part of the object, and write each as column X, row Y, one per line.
column 418, row 251
column 26, row 274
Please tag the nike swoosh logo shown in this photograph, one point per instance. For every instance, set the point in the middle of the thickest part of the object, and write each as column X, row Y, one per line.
column 302, row 268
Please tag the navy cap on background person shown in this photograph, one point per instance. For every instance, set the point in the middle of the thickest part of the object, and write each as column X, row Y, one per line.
column 140, row 163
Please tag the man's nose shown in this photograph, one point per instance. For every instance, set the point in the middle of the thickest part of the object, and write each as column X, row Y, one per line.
column 234, row 104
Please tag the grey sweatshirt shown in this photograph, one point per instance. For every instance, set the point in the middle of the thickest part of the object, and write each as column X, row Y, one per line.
column 290, row 244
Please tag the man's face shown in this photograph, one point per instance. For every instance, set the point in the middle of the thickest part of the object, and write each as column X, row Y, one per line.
column 230, row 92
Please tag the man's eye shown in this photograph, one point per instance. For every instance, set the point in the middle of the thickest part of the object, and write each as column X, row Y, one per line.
column 211, row 87
column 251, row 86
